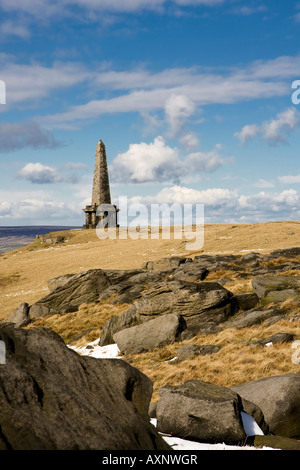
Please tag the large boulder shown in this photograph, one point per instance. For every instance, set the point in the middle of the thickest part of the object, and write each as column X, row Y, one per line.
column 70, row 292
column 54, row 399
column 279, row 399
column 200, row 411
column 276, row 288
column 127, row 319
column 186, row 299
column 150, row 335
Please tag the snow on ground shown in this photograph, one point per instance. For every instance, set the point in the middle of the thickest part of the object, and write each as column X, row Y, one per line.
column 251, row 427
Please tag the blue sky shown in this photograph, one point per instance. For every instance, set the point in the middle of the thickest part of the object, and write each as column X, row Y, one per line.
column 192, row 98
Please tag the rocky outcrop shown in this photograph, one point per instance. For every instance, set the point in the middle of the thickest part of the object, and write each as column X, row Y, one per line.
column 69, row 292
column 168, row 301
column 176, row 285
column 54, row 399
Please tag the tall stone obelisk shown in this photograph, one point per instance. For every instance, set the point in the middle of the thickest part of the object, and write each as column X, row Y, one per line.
column 101, row 188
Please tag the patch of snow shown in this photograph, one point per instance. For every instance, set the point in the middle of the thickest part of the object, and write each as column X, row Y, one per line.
column 93, row 349
column 250, row 425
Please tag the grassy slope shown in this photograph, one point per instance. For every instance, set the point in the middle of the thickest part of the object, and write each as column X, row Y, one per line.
column 24, row 274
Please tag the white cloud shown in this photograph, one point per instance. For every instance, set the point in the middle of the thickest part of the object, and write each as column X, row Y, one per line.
column 268, row 203
column 60, row 8
column 247, row 133
column 183, row 90
column 156, row 162
column 199, row 162
column 289, row 179
column 178, row 108
column 224, row 205
column 182, row 195
column 39, row 174
column 27, row 83
column 273, row 131
column 147, row 163
column 189, row 140
column 39, row 207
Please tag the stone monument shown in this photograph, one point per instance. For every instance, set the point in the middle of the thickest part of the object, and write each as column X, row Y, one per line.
column 101, row 206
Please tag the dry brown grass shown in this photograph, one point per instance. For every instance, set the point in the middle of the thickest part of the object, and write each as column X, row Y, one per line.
column 24, row 274
column 38, row 262
column 237, row 362
column 83, row 326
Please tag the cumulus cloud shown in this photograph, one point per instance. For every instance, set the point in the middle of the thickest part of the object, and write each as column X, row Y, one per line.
column 178, row 109
column 40, row 207
column 273, row 131
column 157, row 162
column 144, row 163
column 247, row 133
column 39, row 174
column 182, row 195
column 17, row 135
column 224, row 205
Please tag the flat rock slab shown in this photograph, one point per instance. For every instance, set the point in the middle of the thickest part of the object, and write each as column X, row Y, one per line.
column 251, row 317
column 264, row 285
column 156, row 333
